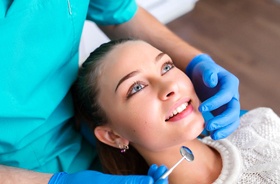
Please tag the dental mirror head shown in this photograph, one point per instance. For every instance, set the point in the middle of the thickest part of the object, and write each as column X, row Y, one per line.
column 187, row 153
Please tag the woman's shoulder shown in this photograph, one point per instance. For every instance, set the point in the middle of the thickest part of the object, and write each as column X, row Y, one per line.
column 256, row 125
column 262, row 121
column 259, row 115
column 258, row 140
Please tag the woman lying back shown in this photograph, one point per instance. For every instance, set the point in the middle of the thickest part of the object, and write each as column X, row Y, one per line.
column 141, row 114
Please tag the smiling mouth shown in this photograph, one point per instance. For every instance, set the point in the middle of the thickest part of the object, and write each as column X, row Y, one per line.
column 178, row 110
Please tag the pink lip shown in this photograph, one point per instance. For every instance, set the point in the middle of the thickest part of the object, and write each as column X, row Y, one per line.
column 183, row 113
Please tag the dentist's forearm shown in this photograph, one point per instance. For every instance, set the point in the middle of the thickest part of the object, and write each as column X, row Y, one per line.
column 12, row 175
column 144, row 26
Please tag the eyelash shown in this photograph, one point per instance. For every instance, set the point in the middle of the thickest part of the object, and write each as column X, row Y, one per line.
column 168, row 63
column 129, row 93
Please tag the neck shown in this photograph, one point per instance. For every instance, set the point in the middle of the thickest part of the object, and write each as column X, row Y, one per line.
column 205, row 168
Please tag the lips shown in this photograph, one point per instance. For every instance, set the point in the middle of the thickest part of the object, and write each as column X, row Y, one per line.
column 179, row 110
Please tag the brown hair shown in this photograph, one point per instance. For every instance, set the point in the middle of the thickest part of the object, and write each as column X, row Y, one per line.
column 86, row 92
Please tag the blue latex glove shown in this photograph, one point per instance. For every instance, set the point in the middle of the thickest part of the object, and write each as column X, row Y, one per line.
column 156, row 172
column 218, row 90
column 90, row 177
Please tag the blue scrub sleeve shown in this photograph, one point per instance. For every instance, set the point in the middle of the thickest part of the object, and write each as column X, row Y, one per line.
column 38, row 64
column 111, row 12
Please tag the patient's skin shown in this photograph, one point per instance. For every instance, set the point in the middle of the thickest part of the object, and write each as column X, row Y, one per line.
column 139, row 89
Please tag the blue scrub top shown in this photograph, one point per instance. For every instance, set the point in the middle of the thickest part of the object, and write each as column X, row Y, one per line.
column 39, row 42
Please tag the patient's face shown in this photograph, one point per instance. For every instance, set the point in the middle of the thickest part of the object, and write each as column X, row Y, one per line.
column 147, row 99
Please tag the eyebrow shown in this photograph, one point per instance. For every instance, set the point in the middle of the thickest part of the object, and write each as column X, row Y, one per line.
column 133, row 73
column 159, row 56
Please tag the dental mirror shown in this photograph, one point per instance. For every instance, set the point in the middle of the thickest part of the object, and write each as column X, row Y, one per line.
column 186, row 154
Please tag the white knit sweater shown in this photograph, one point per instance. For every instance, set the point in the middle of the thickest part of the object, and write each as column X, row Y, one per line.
column 252, row 153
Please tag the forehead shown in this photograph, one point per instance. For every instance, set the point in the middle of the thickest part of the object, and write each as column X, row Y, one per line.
column 125, row 58
column 131, row 51
column 128, row 55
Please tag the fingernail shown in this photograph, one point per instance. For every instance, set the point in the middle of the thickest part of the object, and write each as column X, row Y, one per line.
column 211, row 127
column 213, row 79
column 214, row 137
column 218, row 136
column 203, row 108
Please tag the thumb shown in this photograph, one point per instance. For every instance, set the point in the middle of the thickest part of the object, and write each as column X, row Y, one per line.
column 209, row 76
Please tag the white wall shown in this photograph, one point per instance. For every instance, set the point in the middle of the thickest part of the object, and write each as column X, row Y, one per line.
column 164, row 10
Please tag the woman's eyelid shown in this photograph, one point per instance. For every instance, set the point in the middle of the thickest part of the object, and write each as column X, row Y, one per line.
column 129, row 92
column 169, row 62
column 166, row 61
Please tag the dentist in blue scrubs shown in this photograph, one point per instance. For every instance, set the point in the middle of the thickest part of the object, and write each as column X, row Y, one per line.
column 39, row 42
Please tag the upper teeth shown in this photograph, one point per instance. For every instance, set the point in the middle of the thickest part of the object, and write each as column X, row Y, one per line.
column 178, row 110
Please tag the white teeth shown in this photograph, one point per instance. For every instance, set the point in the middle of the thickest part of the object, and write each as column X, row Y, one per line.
column 178, row 110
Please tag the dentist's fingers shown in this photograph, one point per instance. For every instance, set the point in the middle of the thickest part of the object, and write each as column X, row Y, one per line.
column 218, row 90
column 225, row 131
column 226, row 92
column 156, row 172
column 225, row 118
column 209, row 75
column 221, row 125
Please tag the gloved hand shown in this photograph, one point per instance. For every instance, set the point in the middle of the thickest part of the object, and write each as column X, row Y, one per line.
column 218, row 90
column 156, row 172
column 90, row 177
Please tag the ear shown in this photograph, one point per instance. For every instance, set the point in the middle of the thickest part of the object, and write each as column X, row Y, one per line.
column 108, row 136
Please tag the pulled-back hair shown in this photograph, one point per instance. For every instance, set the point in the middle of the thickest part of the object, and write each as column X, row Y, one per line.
column 86, row 93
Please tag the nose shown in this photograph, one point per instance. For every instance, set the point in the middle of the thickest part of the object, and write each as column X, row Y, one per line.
column 167, row 90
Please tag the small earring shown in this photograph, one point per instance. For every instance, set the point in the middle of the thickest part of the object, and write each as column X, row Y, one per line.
column 123, row 148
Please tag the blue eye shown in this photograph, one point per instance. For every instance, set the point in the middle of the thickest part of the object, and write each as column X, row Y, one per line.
column 135, row 88
column 166, row 67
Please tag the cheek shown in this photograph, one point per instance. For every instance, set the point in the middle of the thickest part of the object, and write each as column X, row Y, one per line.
column 144, row 116
column 141, row 121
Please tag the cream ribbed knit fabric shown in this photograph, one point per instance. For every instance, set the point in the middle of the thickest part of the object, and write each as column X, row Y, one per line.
column 252, row 153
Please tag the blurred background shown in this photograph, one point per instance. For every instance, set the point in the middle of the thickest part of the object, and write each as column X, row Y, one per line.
column 243, row 36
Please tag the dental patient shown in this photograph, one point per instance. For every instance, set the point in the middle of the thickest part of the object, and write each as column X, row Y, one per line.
column 142, row 110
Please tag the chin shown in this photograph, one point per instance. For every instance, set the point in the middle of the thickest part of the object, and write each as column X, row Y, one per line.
column 199, row 125
column 194, row 131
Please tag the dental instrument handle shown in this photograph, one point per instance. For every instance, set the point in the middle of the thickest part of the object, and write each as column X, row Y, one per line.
column 171, row 169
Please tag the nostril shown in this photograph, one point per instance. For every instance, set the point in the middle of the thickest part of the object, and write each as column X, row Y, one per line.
column 170, row 94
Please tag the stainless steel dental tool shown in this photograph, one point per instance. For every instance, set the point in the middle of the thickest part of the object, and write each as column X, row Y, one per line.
column 186, row 154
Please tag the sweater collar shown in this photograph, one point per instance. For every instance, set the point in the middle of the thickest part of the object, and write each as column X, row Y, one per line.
column 231, row 158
